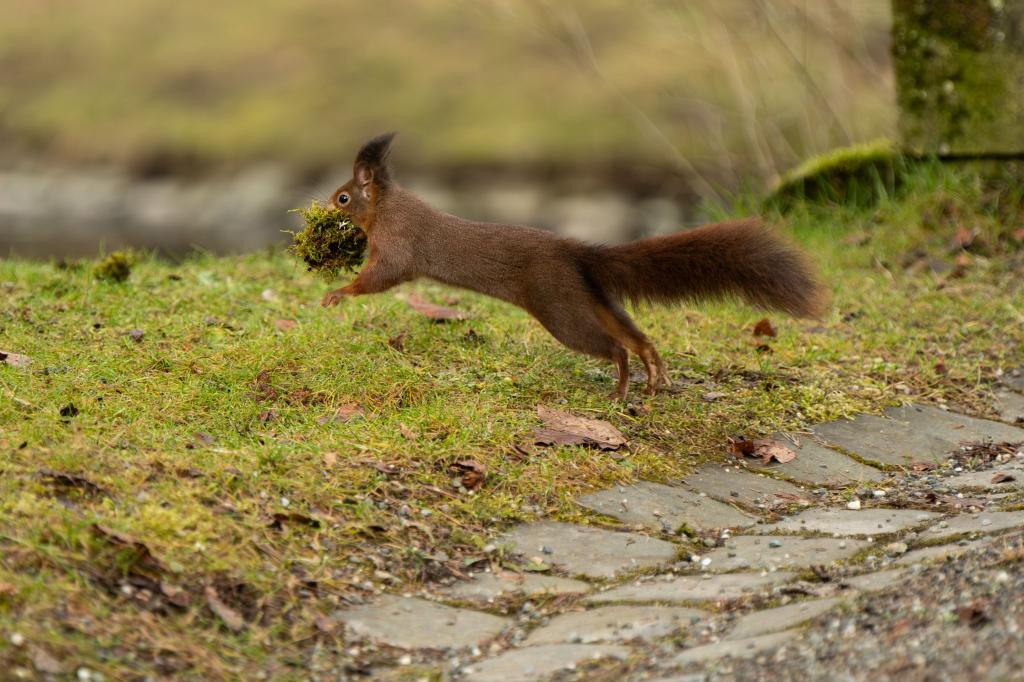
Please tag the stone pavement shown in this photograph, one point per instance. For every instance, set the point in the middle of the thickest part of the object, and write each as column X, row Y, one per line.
column 727, row 562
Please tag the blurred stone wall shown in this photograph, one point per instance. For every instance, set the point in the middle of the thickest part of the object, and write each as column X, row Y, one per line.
column 58, row 213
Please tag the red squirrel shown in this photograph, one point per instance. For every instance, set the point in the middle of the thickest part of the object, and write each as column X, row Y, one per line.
column 575, row 290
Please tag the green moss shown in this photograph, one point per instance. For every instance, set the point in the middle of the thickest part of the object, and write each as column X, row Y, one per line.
column 116, row 267
column 957, row 63
column 331, row 243
column 851, row 175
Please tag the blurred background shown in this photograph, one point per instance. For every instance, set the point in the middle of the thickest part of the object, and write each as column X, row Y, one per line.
column 177, row 125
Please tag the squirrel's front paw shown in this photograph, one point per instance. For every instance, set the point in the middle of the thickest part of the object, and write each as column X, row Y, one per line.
column 332, row 298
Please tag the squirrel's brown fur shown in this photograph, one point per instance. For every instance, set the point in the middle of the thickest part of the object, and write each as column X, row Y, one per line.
column 574, row 289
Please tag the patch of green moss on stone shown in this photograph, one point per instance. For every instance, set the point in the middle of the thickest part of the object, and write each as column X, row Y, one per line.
column 959, row 65
column 849, row 175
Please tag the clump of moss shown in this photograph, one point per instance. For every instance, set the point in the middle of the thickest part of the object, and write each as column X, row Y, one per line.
column 855, row 175
column 114, row 268
column 331, row 243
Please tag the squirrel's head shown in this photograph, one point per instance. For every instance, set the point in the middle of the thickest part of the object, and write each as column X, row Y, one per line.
column 359, row 197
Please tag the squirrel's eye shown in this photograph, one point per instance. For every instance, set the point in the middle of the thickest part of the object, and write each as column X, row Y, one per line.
column 343, row 199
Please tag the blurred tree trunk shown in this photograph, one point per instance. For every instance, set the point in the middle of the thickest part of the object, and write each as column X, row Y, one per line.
column 960, row 75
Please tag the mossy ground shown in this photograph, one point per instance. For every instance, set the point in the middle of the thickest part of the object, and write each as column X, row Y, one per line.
column 203, row 435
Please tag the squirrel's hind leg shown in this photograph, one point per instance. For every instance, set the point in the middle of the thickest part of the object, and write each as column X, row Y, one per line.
column 617, row 322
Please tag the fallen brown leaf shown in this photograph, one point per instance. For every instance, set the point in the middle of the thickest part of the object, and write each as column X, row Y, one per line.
column 279, row 519
column 231, row 618
column 398, row 341
column 175, row 595
column 382, row 467
column 143, row 557
column 263, row 389
column 562, row 428
column 1003, row 477
column 765, row 450
column 963, row 238
column 764, row 328
column 435, row 312
column 285, row 325
column 15, row 359
column 65, row 480
column 474, row 474
column 343, row 414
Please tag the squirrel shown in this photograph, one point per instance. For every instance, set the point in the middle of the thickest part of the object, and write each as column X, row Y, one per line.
column 574, row 289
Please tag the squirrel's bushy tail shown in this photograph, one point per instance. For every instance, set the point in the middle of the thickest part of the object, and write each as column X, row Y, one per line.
column 743, row 258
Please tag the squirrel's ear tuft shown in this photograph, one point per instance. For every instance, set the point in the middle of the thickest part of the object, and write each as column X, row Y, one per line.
column 372, row 160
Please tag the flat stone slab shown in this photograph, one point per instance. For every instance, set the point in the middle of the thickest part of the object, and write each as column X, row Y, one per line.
column 665, row 508
column 539, row 662
column 986, row 522
column 1014, row 379
column 781, row 618
column 955, row 427
column 736, row 648
column 733, row 484
column 592, row 552
column 847, row 522
column 878, row 580
column 818, row 465
column 684, row 588
column 615, row 624
column 937, row 552
column 885, row 441
column 413, row 623
column 1010, row 406
column 982, row 480
column 490, row 586
column 792, row 551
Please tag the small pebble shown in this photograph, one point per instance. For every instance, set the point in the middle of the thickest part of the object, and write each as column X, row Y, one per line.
column 853, row 504
column 17, row 639
column 879, row 493
column 775, row 543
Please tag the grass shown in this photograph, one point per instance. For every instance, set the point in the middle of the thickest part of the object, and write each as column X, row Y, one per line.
column 205, row 438
column 185, row 84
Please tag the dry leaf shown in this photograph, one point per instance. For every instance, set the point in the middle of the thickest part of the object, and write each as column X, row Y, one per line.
column 964, row 238
column 474, row 474
column 143, row 556
column 770, row 450
column 279, row 519
column 764, row 328
column 231, row 618
column 562, row 428
column 344, row 414
column 435, row 312
column 285, row 325
column 1003, row 477
column 763, row 449
column 398, row 341
column 175, row 595
column 65, row 480
column 15, row 360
